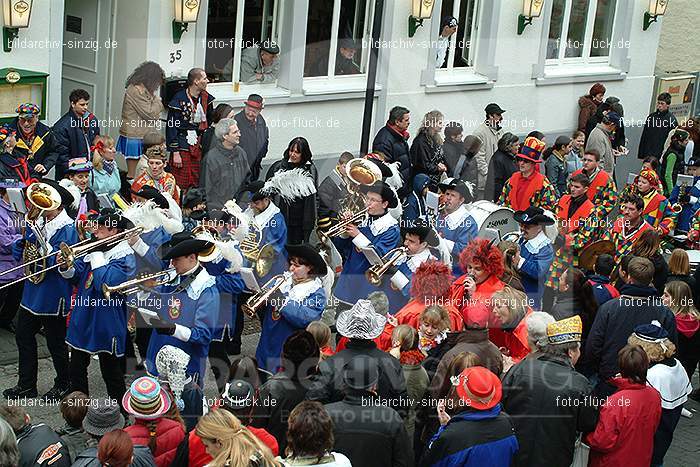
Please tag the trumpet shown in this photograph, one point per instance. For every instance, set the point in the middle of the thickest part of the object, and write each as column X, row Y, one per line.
column 339, row 228
column 134, row 285
column 251, row 306
column 375, row 273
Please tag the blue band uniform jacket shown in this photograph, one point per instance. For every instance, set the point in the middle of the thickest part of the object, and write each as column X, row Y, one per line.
column 302, row 304
column 51, row 296
column 230, row 285
column 457, row 229
column 274, row 232
column 98, row 324
column 398, row 285
column 536, row 257
column 146, row 250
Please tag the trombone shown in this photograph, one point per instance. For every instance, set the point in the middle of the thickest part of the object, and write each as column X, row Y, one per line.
column 134, row 285
column 339, row 228
column 375, row 273
column 251, row 306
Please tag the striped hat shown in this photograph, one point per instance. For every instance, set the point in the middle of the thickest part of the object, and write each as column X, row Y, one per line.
column 531, row 150
column 146, row 399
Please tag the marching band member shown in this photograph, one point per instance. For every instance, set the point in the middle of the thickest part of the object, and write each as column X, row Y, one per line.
column 528, row 186
column 188, row 306
column 300, row 300
column 484, row 265
column 628, row 227
column 574, row 212
column 381, row 232
column 536, row 253
column 419, row 238
column 687, row 197
column 601, row 189
column 657, row 209
column 455, row 225
column 45, row 304
column 98, row 325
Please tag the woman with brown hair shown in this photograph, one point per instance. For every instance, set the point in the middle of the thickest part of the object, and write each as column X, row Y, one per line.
column 508, row 323
column 678, row 298
column 679, row 270
column 116, row 449
column 511, row 276
column 648, row 246
column 230, row 444
column 310, row 438
column 426, row 151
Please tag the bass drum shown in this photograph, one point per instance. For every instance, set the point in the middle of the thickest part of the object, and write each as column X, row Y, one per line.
column 491, row 216
column 694, row 257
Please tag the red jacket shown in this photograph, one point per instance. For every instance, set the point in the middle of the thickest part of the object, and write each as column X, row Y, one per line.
column 169, row 435
column 383, row 341
column 198, row 456
column 626, row 426
column 515, row 340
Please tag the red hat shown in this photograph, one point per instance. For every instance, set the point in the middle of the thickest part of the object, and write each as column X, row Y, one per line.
column 651, row 176
column 431, row 280
column 478, row 388
column 531, row 150
column 255, row 101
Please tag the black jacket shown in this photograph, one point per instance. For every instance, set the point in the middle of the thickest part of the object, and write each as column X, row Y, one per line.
column 40, row 445
column 330, row 192
column 329, row 386
column 395, row 147
column 43, row 149
column 142, row 458
column 369, row 434
column 616, row 320
column 73, row 139
column 501, row 167
column 453, row 152
column 660, row 273
column 549, row 402
column 255, row 140
column 656, row 129
column 426, row 154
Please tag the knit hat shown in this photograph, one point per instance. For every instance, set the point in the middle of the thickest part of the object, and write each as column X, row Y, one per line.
column 171, row 363
column 565, row 330
column 478, row 388
column 650, row 175
column 360, row 321
column 103, row 416
column 651, row 332
column 28, row 110
column 146, row 399
column 6, row 131
column 531, row 150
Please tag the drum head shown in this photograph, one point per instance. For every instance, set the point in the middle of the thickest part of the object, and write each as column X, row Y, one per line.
column 590, row 254
column 489, row 215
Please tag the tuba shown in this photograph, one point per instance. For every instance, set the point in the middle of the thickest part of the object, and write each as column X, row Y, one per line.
column 210, row 234
column 261, row 257
column 134, row 285
column 375, row 273
column 41, row 197
column 253, row 304
column 358, row 172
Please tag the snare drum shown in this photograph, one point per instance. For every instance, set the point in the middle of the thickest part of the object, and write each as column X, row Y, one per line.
column 489, row 215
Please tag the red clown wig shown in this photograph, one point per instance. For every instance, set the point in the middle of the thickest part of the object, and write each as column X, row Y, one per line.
column 482, row 252
column 431, row 281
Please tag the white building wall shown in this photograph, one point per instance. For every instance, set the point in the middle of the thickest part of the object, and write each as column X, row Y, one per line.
column 678, row 47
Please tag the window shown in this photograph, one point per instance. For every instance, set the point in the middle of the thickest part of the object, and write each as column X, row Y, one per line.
column 258, row 22
column 580, row 31
column 339, row 46
column 463, row 44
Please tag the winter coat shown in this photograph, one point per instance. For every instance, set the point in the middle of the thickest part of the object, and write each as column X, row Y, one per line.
column 169, row 434
column 330, row 193
column 557, row 172
column 660, row 272
column 426, row 154
column 88, row 458
column 656, row 129
column 625, row 431
column 587, row 108
column 395, row 148
column 489, row 145
column 416, row 384
column 73, row 138
column 454, row 152
column 573, row 161
column 603, row 290
column 599, row 140
column 415, row 203
column 141, row 111
column 369, row 434
column 391, row 384
column 300, row 213
column 501, row 167
column 474, row 439
column 255, row 140
column 281, row 393
column 616, row 320
column 688, row 342
column 76, row 440
column 550, row 403
column 10, row 231
column 40, row 445
column 226, row 172
column 43, row 148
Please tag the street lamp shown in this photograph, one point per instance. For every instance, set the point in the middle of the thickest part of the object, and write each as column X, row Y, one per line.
column 186, row 11
column 656, row 8
column 420, row 10
column 16, row 14
column 531, row 9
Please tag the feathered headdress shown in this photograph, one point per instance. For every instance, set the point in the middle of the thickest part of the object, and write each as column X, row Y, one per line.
column 290, row 184
column 431, row 281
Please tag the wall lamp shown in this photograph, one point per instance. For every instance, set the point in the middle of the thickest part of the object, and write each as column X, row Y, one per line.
column 531, row 9
column 186, row 12
column 420, row 10
column 656, row 8
column 16, row 14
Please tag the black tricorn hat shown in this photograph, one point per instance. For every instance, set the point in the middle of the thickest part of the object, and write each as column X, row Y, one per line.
column 310, row 255
column 66, row 197
column 532, row 216
column 383, row 190
column 113, row 219
column 425, row 232
column 152, row 193
column 186, row 247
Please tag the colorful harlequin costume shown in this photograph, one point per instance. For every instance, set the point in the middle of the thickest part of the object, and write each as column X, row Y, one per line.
column 657, row 208
column 536, row 190
column 624, row 238
column 166, row 183
column 601, row 192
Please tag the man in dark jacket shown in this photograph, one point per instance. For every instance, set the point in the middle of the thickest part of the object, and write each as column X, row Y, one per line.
column 392, row 141
column 333, row 189
column 38, row 444
column 255, row 137
column 75, row 131
column 366, row 430
column 35, row 141
column 656, row 128
column 360, row 324
column 638, row 303
column 501, row 166
column 548, row 401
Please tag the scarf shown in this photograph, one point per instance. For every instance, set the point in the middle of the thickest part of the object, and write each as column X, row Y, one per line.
column 404, row 133
column 576, row 203
column 108, row 166
column 411, row 357
column 427, row 343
